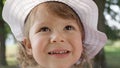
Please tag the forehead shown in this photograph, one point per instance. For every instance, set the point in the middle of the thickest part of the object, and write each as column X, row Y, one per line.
column 53, row 9
column 43, row 16
column 39, row 10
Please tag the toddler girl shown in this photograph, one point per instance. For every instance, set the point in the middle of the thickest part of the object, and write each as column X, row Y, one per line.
column 54, row 33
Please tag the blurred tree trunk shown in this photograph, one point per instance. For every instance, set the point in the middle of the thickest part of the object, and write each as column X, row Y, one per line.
column 2, row 44
column 2, row 38
column 100, row 60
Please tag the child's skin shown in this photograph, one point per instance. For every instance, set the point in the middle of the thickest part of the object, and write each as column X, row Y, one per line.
column 50, row 33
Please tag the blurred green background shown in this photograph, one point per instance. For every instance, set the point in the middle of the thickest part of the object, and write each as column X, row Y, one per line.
column 109, row 22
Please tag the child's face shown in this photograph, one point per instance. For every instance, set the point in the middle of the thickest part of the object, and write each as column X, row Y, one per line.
column 55, row 42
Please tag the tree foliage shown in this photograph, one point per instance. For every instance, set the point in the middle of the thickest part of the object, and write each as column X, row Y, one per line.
column 111, row 11
column 112, row 32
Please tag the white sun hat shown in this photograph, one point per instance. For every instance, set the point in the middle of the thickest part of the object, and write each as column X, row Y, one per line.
column 16, row 11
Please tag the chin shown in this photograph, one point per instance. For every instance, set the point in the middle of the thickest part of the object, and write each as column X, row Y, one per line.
column 60, row 66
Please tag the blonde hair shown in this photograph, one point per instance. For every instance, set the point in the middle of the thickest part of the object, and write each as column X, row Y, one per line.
column 57, row 9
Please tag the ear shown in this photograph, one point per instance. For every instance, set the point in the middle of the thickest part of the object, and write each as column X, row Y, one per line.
column 27, row 46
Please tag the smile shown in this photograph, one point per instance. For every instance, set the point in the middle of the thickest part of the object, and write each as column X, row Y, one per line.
column 59, row 53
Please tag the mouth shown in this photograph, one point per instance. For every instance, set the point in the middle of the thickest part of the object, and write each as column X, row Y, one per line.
column 58, row 52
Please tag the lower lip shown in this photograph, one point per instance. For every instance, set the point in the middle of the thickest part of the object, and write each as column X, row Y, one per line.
column 60, row 55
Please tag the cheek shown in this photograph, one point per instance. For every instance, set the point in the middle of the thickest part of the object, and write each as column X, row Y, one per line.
column 76, row 40
column 78, row 48
column 39, row 44
column 77, row 45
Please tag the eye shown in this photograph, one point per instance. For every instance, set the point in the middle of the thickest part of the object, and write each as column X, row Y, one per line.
column 44, row 29
column 69, row 27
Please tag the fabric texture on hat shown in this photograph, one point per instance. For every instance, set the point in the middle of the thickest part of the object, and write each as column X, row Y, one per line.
column 16, row 11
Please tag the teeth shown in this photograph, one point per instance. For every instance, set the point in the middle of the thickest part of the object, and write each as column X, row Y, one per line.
column 58, row 52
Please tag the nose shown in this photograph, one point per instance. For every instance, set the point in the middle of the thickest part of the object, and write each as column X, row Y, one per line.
column 57, row 38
